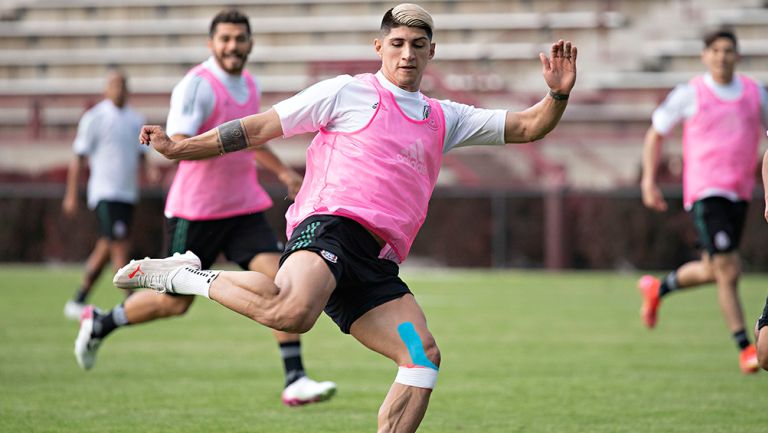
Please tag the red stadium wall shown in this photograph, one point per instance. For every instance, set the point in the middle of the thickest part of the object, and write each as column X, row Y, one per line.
column 463, row 229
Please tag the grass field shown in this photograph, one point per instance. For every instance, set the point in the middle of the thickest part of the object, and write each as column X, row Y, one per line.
column 522, row 352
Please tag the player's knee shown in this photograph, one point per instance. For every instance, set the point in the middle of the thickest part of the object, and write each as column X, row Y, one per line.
column 296, row 319
column 421, row 365
column 431, row 350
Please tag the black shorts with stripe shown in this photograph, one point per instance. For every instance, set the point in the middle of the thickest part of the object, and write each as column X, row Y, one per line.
column 115, row 219
column 239, row 238
column 719, row 223
column 363, row 280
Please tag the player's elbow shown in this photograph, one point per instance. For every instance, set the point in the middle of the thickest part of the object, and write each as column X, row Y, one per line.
column 526, row 134
column 537, row 136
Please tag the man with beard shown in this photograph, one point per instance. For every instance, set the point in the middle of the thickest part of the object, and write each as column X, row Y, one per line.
column 216, row 205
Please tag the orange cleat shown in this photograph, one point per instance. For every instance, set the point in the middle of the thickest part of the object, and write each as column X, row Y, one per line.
column 748, row 360
column 649, row 289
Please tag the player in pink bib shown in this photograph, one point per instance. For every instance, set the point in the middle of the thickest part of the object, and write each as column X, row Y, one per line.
column 384, row 178
column 723, row 115
column 371, row 170
column 214, row 206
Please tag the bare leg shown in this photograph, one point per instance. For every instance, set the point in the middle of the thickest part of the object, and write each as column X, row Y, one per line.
column 761, row 341
column 119, row 251
column 95, row 263
column 404, row 406
column 146, row 305
column 291, row 303
column 727, row 269
column 696, row 273
column 268, row 264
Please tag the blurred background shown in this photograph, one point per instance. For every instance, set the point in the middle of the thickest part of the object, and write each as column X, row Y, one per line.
column 569, row 201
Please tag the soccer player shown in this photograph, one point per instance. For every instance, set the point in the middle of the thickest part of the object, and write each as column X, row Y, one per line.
column 371, row 170
column 722, row 113
column 215, row 205
column 761, row 338
column 105, row 141
column 761, row 327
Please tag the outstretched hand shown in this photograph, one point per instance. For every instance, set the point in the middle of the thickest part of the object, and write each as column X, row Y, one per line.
column 155, row 136
column 559, row 69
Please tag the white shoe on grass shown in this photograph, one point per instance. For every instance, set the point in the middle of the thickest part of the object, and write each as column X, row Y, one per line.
column 306, row 390
column 85, row 344
column 73, row 309
column 154, row 273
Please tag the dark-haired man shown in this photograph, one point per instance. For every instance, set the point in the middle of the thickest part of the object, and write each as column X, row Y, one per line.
column 104, row 142
column 216, row 205
column 723, row 115
column 371, row 170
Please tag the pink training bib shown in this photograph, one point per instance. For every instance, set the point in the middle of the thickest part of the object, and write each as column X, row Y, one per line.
column 381, row 176
column 720, row 142
column 224, row 186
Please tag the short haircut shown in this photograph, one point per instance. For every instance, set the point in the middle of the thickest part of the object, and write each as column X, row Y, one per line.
column 714, row 35
column 114, row 71
column 231, row 16
column 409, row 15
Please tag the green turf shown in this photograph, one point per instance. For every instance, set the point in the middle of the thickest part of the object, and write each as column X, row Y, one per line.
column 522, row 352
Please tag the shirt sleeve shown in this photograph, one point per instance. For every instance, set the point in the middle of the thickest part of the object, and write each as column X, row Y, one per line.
column 466, row 125
column 678, row 106
column 85, row 139
column 192, row 102
column 311, row 109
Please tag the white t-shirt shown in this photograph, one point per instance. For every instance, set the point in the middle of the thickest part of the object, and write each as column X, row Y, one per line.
column 109, row 137
column 193, row 99
column 345, row 104
column 681, row 103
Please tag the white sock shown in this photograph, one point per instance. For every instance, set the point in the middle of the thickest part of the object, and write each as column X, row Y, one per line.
column 190, row 281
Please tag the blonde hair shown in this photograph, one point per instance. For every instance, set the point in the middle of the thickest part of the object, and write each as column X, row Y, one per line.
column 409, row 15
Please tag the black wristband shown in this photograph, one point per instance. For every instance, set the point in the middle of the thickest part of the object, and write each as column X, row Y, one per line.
column 763, row 320
column 232, row 136
column 558, row 96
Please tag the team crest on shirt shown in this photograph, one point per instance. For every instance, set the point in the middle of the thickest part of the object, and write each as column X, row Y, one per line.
column 431, row 122
column 327, row 255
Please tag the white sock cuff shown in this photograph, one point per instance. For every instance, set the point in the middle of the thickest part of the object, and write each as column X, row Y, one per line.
column 414, row 375
column 191, row 281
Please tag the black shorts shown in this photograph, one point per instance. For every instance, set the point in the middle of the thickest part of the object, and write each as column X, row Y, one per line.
column 363, row 280
column 719, row 223
column 115, row 219
column 240, row 238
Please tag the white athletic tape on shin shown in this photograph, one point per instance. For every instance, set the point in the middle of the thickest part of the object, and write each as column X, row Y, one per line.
column 420, row 377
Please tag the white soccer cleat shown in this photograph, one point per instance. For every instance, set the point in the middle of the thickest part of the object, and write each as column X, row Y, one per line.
column 306, row 391
column 73, row 310
column 85, row 344
column 154, row 273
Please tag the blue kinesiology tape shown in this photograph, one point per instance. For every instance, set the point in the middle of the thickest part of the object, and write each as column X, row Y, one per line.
column 413, row 342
